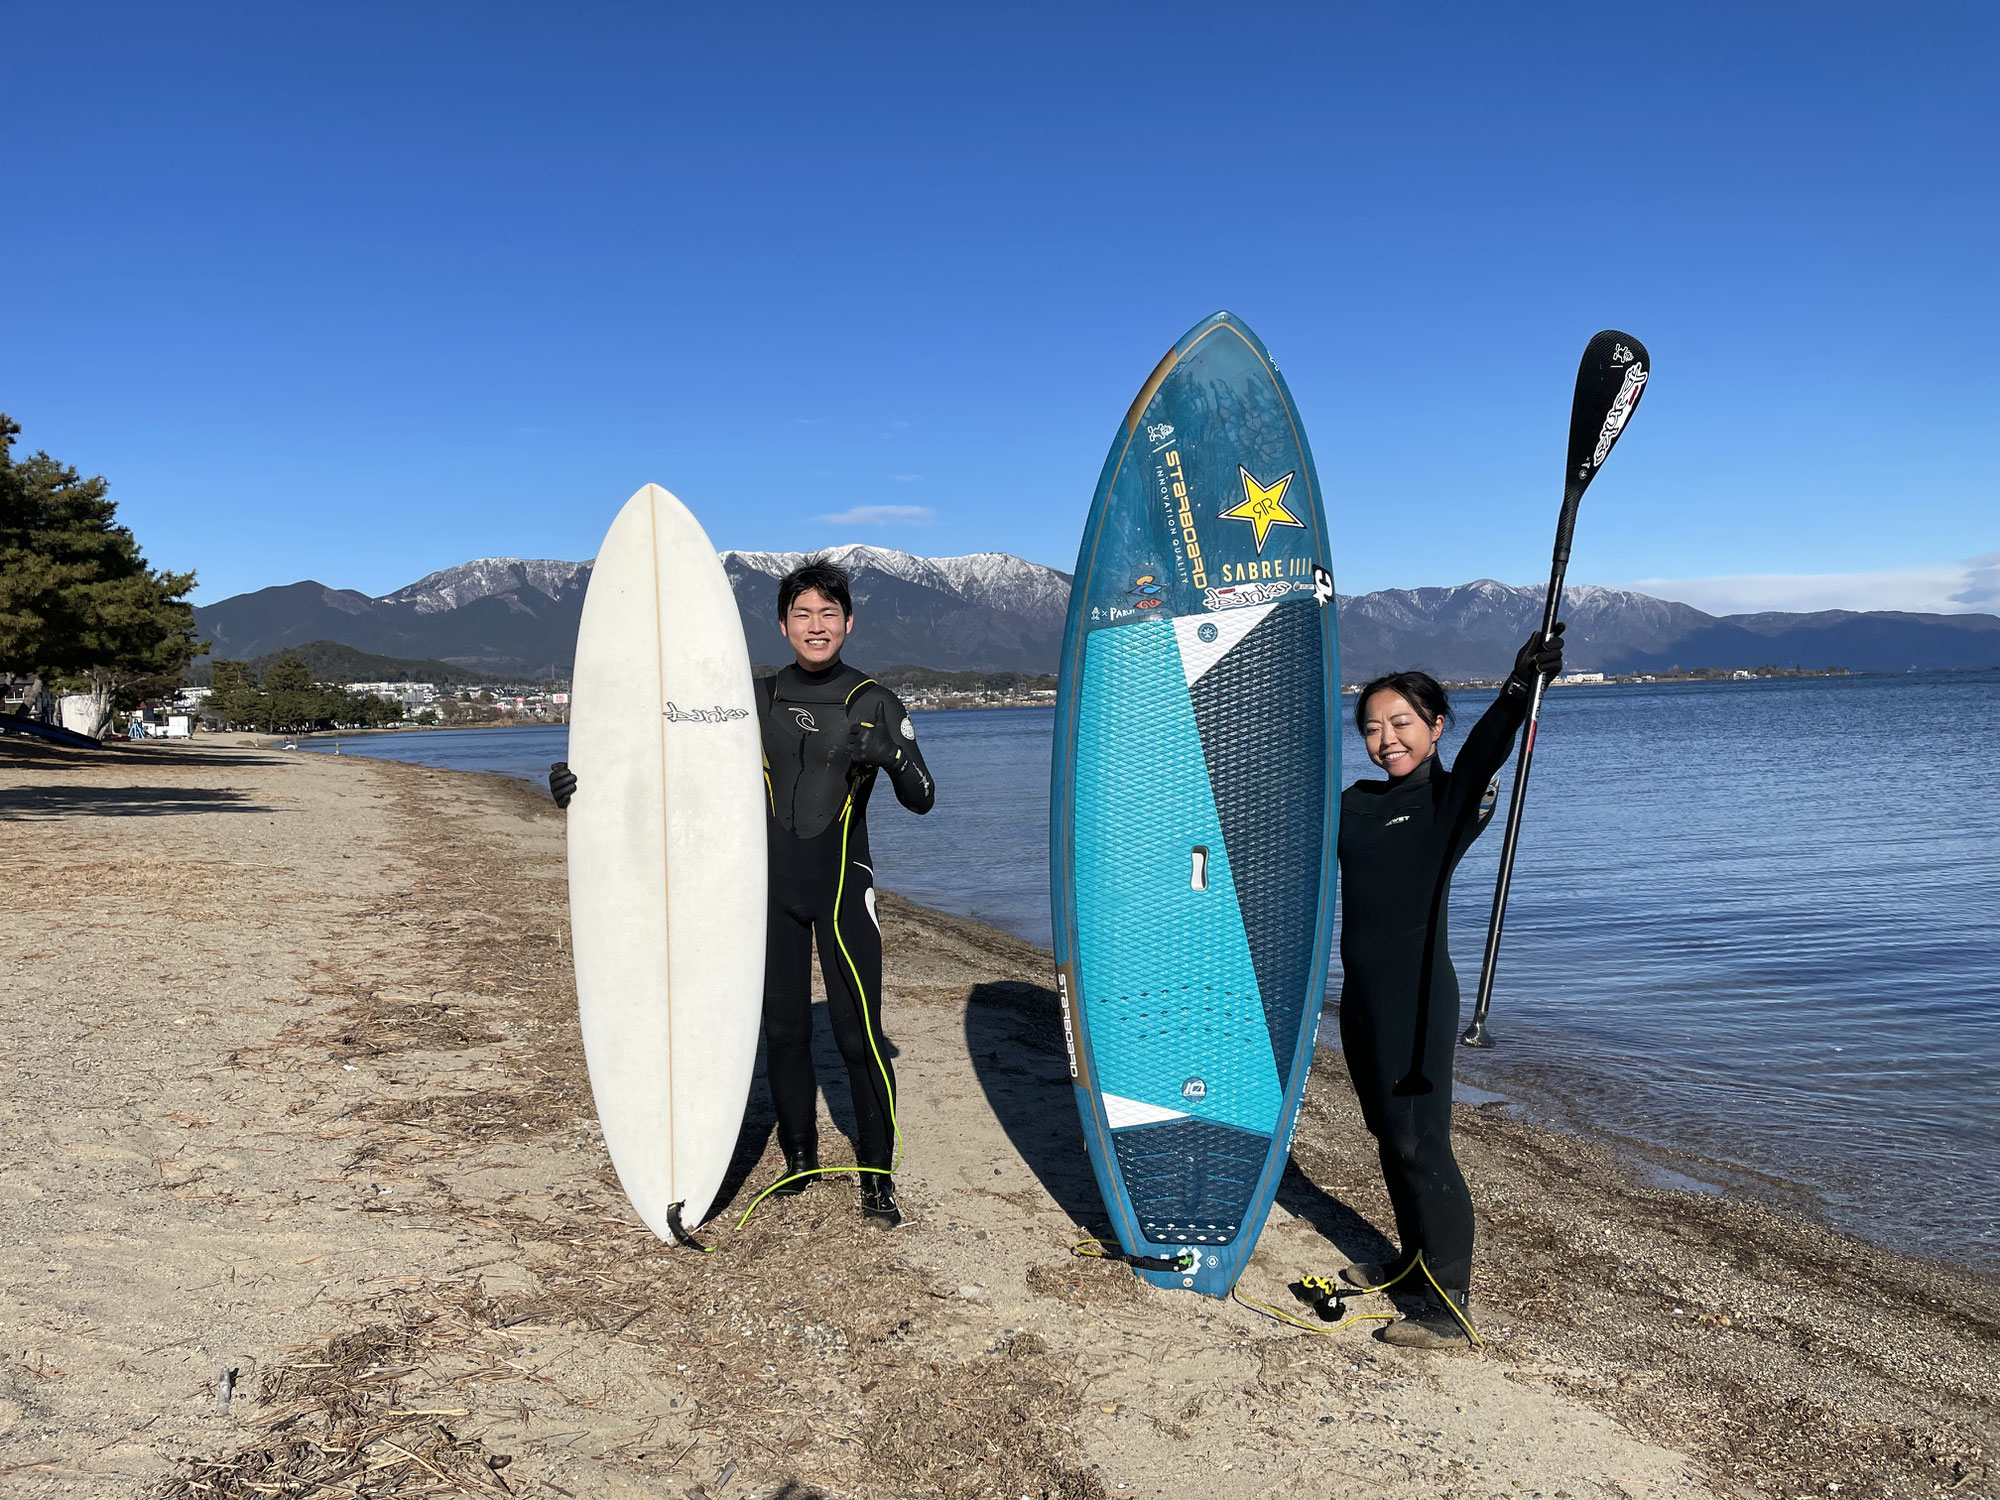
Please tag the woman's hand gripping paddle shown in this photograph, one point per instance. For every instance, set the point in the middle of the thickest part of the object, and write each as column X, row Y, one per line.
column 1609, row 383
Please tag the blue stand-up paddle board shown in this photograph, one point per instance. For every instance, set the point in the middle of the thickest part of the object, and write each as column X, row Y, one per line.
column 1197, row 767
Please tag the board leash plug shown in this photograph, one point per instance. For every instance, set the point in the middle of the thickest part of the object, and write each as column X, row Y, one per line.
column 681, row 1235
column 1181, row 1263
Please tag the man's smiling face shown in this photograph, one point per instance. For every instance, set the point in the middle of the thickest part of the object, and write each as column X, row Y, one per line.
column 814, row 627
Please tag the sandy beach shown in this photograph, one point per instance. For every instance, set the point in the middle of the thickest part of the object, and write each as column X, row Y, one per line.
column 293, row 1090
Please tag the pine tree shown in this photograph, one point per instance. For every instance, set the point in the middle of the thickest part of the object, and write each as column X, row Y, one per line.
column 232, row 698
column 78, row 604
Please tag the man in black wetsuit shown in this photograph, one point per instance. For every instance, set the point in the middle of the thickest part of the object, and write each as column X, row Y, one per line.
column 1400, row 841
column 828, row 731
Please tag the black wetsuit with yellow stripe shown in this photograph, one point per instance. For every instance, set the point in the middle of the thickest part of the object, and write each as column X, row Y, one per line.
column 823, row 886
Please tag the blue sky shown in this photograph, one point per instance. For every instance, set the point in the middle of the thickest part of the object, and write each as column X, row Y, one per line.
column 355, row 292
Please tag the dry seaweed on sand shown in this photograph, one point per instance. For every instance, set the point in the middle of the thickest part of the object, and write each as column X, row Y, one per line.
column 980, row 1429
column 1778, row 1353
column 380, row 1024
column 807, row 1356
column 352, row 1416
column 480, row 1116
column 1087, row 1282
column 814, row 1355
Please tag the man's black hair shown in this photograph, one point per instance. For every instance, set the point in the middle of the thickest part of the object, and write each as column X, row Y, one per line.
column 814, row 573
column 1421, row 690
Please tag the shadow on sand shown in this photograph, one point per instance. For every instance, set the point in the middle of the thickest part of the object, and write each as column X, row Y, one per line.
column 1342, row 1227
column 760, row 1119
column 19, row 752
column 1013, row 1032
column 41, row 803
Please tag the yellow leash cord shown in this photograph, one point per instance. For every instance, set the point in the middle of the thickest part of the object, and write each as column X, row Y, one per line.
column 1236, row 1294
column 1330, row 1291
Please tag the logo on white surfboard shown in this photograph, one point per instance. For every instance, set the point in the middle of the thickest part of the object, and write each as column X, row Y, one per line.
column 673, row 713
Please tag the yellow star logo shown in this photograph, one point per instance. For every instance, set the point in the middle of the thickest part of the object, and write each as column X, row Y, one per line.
column 1263, row 506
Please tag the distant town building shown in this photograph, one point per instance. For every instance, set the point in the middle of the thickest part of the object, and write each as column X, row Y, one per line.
column 424, row 690
column 159, row 724
column 410, row 695
column 1575, row 677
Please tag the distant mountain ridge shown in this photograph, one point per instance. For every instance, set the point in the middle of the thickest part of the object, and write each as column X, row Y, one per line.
column 990, row 611
column 490, row 577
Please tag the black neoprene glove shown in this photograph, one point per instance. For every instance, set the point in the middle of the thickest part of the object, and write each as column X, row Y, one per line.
column 562, row 783
column 1536, row 659
column 873, row 745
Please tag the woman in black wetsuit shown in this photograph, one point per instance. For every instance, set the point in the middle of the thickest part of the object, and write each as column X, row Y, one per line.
column 1400, row 840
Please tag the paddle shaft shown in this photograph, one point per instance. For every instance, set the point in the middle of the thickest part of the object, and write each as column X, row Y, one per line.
column 1475, row 1034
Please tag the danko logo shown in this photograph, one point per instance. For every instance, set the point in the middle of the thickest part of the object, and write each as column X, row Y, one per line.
column 674, row 714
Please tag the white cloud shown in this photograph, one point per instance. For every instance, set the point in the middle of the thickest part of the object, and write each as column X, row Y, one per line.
column 1982, row 583
column 1969, row 586
column 882, row 515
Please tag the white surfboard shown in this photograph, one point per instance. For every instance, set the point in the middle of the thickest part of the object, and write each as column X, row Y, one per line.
column 666, row 857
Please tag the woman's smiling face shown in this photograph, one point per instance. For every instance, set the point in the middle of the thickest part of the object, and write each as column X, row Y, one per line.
column 1399, row 739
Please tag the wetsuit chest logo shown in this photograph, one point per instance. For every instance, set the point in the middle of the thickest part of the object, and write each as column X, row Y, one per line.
column 1394, row 821
column 804, row 719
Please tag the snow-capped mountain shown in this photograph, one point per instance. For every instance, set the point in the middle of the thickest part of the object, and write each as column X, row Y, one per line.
column 985, row 612
column 1458, row 632
column 995, row 579
column 490, row 577
column 993, row 612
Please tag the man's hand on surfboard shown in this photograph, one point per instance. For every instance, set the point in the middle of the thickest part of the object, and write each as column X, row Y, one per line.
column 562, row 783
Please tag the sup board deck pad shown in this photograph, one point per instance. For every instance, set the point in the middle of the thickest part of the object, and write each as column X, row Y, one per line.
column 1193, row 809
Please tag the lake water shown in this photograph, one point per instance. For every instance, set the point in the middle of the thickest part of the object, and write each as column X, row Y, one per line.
column 1757, row 922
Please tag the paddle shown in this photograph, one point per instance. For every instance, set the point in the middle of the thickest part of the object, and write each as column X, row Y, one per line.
column 1609, row 383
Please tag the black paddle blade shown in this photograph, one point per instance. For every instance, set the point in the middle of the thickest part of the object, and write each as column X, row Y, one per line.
column 1609, row 383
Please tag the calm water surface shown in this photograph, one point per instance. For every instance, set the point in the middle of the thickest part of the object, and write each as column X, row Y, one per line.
column 525, row 753
column 1757, row 921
